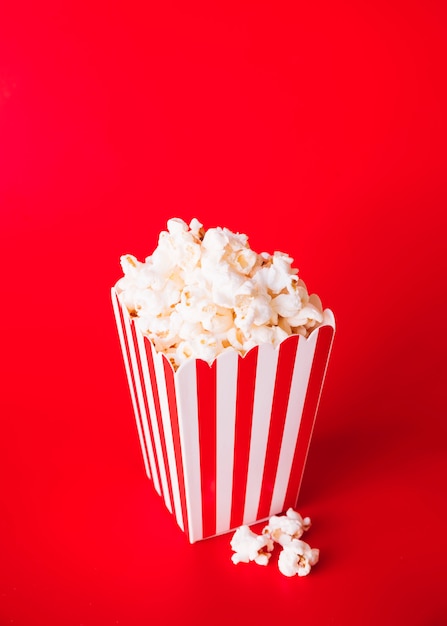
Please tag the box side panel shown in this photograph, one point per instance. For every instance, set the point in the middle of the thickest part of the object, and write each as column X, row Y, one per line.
column 123, row 334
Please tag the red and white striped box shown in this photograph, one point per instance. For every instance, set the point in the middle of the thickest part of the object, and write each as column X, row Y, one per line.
column 225, row 444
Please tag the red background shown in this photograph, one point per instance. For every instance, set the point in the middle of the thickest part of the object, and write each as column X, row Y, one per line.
column 316, row 128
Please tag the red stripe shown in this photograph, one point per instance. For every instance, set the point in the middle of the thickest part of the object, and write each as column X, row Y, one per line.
column 131, row 382
column 146, row 403
column 281, row 393
column 206, row 409
column 170, row 387
column 246, row 380
column 138, row 375
column 322, row 349
column 150, row 361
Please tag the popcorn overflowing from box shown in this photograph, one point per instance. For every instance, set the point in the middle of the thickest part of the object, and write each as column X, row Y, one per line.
column 225, row 354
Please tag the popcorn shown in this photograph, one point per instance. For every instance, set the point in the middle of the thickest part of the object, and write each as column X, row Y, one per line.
column 286, row 528
column 297, row 558
column 250, row 547
column 203, row 292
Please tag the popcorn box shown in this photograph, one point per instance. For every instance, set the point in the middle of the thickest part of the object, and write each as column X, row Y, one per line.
column 225, row 444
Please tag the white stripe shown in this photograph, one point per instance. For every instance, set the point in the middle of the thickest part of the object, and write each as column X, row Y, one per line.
column 226, row 389
column 136, row 376
column 328, row 319
column 262, row 409
column 169, row 442
column 155, row 429
column 330, row 323
column 186, row 391
column 116, row 311
column 151, row 405
column 303, row 365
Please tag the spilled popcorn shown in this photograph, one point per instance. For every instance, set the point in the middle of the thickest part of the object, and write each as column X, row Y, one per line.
column 296, row 557
column 202, row 292
column 285, row 528
column 248, row 547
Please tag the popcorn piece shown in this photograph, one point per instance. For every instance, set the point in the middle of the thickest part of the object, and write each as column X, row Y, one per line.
column 248, row 546
column 297, row 558
column 286, row 528
column 202, row 292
